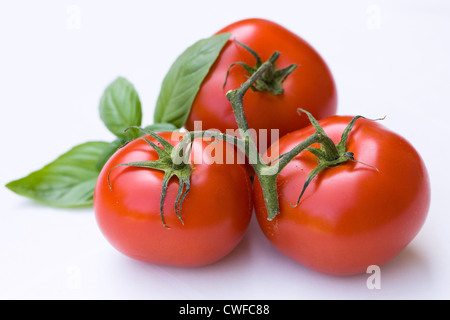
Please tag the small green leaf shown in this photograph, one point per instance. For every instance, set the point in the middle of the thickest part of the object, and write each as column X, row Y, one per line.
column 120, row 107
column 182, row 82
column 69, row 181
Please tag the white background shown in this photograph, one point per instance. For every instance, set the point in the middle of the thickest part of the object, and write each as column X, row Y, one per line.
column 56, row 57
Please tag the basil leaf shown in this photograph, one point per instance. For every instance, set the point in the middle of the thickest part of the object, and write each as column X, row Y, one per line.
column 120, row 107
column 109, row 151
column 69, row 181
column 182, row 82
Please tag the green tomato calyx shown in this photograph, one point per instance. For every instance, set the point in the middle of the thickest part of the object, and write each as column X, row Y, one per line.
column 166, row 164
column 271, row 81
column 329, row 155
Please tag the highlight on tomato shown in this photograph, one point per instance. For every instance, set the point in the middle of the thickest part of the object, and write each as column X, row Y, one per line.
column 186, row 214
column 361, row 212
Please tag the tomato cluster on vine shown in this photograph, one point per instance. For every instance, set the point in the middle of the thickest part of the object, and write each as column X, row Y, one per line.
column 358, row 204
column 335, row 193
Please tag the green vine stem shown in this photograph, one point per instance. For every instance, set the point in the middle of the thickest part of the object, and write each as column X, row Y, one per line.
column 329, row 155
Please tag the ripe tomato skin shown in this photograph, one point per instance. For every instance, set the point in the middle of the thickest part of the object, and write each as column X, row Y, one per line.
column 311, row 86
column 216, row 212
column 351, row 216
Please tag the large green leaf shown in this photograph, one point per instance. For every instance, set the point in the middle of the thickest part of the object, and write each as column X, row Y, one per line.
column 182, row 82
column 69, row 181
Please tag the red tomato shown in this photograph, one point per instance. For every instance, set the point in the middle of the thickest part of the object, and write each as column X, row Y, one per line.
column 216, row 212
column 351, row 216
column 310, row 86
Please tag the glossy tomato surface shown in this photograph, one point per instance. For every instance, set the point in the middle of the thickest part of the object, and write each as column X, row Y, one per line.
column 216, row 212
column 311, row 86
column 351, row 216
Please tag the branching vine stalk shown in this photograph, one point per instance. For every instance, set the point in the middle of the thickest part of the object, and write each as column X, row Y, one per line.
column 174, row 161
column 329, row 154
